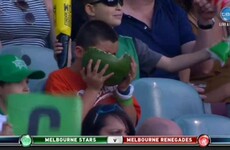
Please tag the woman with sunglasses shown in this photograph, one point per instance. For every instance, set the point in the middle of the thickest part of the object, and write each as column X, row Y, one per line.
column 110, row 11
column 26, row 22
column 107, row 120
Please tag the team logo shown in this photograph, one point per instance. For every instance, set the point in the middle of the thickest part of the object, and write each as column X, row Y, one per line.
column 204, row 140
column 26, row 141
column 225, row 14
column 19, row 63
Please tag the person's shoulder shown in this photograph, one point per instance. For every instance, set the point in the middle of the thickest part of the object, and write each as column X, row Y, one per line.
column 60, row 72
column 125, row 37
column 124, row 40
column 58, row 81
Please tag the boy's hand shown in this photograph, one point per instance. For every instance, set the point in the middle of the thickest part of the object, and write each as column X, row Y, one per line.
column 93, row 78
column 58, row 48
column 6, row 129
column 132, row 75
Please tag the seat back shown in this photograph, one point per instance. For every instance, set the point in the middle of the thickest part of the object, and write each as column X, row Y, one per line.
column 228, row 109
column 166, row 98
column 37, row 58
column 39, row 87
column 212, row 125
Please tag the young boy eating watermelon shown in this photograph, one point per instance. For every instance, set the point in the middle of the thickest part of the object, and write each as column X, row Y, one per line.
column 88, row 82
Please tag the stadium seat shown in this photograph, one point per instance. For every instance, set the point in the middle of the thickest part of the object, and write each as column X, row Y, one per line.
column 37, row 58
column 166, row 98
column 170, row 99
column 40, row 86
column 212, row 125
column 228, row 109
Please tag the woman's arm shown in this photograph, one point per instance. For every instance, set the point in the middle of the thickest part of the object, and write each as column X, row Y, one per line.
column 49, row 7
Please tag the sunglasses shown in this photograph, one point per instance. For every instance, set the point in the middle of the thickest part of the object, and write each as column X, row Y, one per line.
column 105, row 110
column 110, row 3
column 23, row 5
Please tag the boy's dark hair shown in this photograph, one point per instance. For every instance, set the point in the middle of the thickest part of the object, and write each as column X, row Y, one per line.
column 93, row 32
column 90, row 127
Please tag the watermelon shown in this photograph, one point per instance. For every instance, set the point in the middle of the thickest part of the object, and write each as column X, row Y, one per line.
column 119, row 66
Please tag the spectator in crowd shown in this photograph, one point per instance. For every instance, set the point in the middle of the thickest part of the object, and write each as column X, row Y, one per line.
column 89, row 82
column 26, row 22
column 164, row 127
column 217, row 81
column 165, row 28
column 146, row 59
column 68, row 81
column 107, row 120
column 101, row 9
column 14, row 75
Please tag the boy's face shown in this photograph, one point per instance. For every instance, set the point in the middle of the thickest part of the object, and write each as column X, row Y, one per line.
column 110, row 15
column 108, row 46
column 14, row 88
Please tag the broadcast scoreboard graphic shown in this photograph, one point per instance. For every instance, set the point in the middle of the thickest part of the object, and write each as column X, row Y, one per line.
column 28, row 141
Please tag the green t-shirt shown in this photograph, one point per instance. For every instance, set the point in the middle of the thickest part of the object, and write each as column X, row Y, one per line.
column 126, row 45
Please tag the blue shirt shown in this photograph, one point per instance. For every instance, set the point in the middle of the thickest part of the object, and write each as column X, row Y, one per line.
column 170, row 30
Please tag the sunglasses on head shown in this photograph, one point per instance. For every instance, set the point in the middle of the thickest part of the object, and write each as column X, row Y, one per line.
column 23, row 5
column 110, row 3
column 105, row 110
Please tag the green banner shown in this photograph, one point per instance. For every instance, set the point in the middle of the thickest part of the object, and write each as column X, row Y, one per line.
column 37, row 114
column 68, row 140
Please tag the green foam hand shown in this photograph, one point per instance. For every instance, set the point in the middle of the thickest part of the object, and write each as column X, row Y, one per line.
column 37, row 114
column 221, row 52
